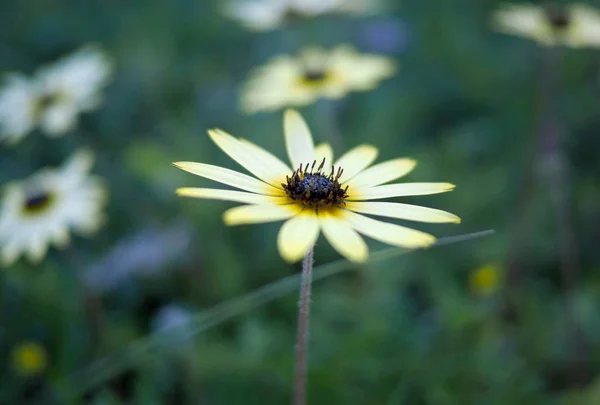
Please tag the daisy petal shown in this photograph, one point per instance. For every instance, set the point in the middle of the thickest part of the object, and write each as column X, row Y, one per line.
column 343, row 237
column 271, row 161
column 403, row 211
column 61, row 237
column 324, row 151
column 383, row 173
column 37, row 250
column 389, row 233
column 262, row 164
column 298, row 140
column 10, row 253
column 297, row 236
column 256, row 214
column 228, row 195
column 400, row 190
column 229, row 177
column 355, row 160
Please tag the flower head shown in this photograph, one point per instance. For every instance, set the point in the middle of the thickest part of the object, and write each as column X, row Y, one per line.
column 43, row 208
column 572, row 25
column 485, row 280
column 314, row 73
column 318, row 194
column 29, row 358
column 264, row 15
column 55, row 96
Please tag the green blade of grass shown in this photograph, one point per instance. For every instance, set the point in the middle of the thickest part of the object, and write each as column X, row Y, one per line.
column 108, row 367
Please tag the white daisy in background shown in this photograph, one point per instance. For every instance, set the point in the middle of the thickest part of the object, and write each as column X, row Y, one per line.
column 264, row 15
column 572, row 25
column 314, row 73
column 55, row 96
column 18, row 106
column 318, row 194
column 43, row 208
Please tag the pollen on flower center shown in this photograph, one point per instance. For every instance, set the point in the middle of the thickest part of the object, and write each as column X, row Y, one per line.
column 37, row 203
column 315, row 189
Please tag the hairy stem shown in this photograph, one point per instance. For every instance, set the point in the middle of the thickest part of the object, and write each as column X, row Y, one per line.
column 302, row 336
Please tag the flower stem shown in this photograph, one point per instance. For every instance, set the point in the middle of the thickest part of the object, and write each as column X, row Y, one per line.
column 302, row 336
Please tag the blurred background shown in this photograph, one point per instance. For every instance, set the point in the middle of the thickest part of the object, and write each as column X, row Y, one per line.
column 120, row 317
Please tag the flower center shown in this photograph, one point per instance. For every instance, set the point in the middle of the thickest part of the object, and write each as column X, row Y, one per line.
column 558, row 17
column 293, row 14
column 314, row 76
column 45, row 101
column 314, row 189
column 38, row 203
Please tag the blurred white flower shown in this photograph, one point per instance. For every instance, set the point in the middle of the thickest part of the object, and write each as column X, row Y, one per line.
column 314, row 73
column 18, row 105
column 264, row 15
column 43, row 208
column 573, row 25
column 55, row 96
column 144, row 253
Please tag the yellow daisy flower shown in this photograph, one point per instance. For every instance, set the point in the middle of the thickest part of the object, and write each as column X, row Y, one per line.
column 314, row 73
column 318, row 194
column 572, row 25
column 264, row 15
column 485, row 280
column 29, row 358
column 43, row 208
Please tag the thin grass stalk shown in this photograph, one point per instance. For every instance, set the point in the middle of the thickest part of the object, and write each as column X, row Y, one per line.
column 303, row 333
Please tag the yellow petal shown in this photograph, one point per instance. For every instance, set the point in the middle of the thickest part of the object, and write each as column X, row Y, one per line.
column 355, row 160
column 324, row 151
column 228, row 195
column 229, row 177
column 343, row 238
column 272, row 162
column 256, row 214
column 298, row 235
column 389, row 233
column 298, row 140
column 398, row 190
column 260, row 163
column 382, row 173
column 402, row 211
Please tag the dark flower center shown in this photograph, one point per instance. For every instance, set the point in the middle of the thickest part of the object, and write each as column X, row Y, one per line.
column 558, row 16
column 314, row 189
column 314, row 76
column 292, row 14
column 38, row 203
column 45, row 101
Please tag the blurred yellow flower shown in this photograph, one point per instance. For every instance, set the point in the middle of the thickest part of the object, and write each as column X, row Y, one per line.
column 29, row 358
column 572, row 25
column 485, row 280
column 314, row 73
column 42, row 209
column 264, row 15
column 54, row 97
column 318, row 194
